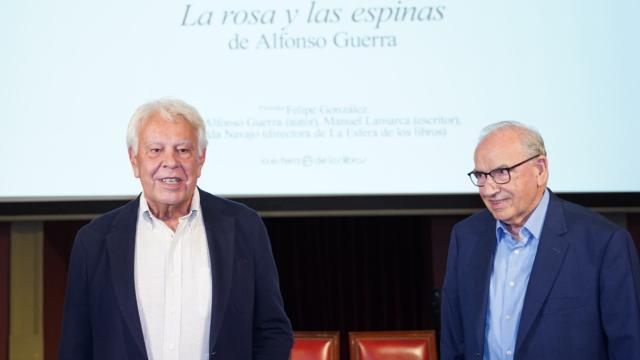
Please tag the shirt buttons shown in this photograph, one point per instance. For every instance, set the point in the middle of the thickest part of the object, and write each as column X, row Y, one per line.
column 508, row 317
column 516, row 251
column 512, row 284
column 509, row 353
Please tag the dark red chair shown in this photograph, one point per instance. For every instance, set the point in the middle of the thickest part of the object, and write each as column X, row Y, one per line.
column 393, row 345
column 316, row 345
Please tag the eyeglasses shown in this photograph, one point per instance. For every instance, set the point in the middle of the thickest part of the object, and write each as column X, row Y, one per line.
column 500, row 175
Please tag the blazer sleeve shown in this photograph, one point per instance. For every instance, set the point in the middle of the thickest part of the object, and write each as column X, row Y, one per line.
column 452, row 333
column 620, row 296
column 272, row 333
column 76, row 338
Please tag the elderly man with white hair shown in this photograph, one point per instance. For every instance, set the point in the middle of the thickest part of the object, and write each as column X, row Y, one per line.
column 534, row 277
column 176, row 273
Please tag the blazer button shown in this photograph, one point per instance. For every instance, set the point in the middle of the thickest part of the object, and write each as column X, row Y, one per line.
column 212, row 355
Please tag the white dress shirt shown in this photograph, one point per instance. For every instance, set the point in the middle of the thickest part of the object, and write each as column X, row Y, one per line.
column 172, row 275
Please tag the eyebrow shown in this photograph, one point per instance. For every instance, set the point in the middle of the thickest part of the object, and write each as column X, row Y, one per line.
column 151, row 143
column 504, row 166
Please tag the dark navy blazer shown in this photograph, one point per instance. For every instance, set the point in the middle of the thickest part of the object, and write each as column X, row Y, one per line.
column 583, row 296
column 248, row 321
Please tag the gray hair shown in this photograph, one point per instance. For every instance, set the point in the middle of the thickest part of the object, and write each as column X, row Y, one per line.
column 531, row 139
column 170, row 109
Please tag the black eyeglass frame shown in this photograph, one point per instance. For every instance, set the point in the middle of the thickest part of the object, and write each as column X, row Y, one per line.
column 474, row 174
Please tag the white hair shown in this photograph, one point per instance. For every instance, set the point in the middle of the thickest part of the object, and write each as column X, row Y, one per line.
column 170, row 109
column 532, row 141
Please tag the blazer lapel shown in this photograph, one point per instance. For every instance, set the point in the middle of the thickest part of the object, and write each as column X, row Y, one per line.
column 484, row 253
column 550, row 255
column 121, row 254
column 220, row 231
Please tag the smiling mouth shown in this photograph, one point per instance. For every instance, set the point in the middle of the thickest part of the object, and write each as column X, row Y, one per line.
column 171, row 180
column 497, row 203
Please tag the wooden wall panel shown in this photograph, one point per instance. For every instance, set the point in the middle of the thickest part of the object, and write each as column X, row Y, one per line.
column 26, row 295
column 5, row 253
column 58, row 239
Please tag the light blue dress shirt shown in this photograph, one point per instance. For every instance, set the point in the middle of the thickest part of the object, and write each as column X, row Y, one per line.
column 511, row 270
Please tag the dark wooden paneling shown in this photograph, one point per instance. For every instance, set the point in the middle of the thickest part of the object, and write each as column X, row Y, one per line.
column 5, row 266
column 355, row 273
column 440, row 232
column 633, row 225
column 58, row 239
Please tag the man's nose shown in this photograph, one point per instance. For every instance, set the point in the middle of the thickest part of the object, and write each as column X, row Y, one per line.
column 490, row 187
column 170, row 159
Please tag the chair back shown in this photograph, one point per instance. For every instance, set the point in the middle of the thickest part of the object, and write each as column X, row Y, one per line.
column 316, row 345
column 393, row 345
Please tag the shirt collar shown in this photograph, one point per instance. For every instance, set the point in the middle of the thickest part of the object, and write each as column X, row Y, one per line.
column 145, row 213
column 533, row 226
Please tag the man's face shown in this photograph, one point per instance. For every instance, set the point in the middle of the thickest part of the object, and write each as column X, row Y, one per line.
column 513, row 202
column 167, row 162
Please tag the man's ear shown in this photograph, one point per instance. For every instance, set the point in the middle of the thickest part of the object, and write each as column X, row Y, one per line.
column 542, row 167
column 134, row 163
column 201, row 159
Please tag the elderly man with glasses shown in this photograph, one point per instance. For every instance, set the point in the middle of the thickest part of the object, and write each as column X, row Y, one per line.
column 533, row 276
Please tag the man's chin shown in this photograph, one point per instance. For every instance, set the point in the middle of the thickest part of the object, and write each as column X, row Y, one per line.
column 501, row 214
column 172, row 198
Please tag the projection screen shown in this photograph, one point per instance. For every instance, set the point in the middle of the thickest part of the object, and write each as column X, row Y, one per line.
column 318, row 98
